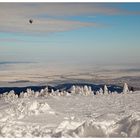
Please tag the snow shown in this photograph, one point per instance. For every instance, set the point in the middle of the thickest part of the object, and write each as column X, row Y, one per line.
column 76, row 114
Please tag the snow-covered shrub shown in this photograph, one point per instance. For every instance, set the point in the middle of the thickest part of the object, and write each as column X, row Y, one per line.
column 9, row 96
column 22, row 108
column 5, row 94
column 30, row 93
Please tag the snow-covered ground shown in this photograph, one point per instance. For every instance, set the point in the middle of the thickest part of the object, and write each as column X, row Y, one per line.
column 70, row 115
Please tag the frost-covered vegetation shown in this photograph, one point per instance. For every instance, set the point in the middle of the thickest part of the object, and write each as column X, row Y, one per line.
column 81, row 112
column 82, row 90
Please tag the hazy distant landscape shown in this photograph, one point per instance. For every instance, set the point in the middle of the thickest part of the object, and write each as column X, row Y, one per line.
column 14, row 74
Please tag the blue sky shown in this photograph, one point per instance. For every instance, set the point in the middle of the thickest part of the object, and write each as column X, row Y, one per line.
column 71, row 34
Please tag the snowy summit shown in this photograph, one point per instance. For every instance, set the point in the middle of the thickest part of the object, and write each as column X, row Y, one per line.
column 78, row 113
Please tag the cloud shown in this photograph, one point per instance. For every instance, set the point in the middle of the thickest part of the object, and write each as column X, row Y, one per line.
column 42, row 25
column 61, row 9
column 14, row 16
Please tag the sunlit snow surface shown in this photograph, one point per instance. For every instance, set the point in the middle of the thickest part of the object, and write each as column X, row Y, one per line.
column 72, row 115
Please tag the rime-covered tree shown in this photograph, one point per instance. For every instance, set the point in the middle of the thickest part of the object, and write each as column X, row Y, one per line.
column 105, row 90
column 101, row 91
column 125, row 88
column 86, row 90
column 73, row 89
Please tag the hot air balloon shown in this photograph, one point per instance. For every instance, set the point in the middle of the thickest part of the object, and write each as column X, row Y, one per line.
column 30, row 21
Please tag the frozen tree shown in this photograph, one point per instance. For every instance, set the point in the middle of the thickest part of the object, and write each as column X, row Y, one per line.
column 52, row 92
column 79, row 90
column 42, row 92
column 125, row 88
column 62, row 93
column 101, row 91
column 5, row 94
column 76, row 89
column 90, row 90
column 29, row 90
column 86, row 91
column 21, row 95
column 97, row 92
column 36, row 94
column 30, row 93
column 10, row 96
column 25, row 95
column 46, row 90
column 105, row 90
column 73, row 89
column 57, row 92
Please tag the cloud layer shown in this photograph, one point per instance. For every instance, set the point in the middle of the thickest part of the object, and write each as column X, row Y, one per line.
column 14, row 16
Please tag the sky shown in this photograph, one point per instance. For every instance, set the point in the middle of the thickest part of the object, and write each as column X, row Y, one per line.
column 70, row 34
